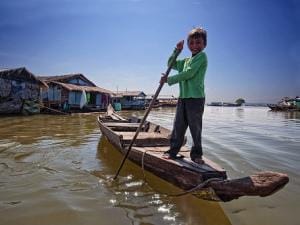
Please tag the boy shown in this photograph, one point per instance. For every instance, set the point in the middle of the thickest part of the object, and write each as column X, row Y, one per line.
column 190, row 106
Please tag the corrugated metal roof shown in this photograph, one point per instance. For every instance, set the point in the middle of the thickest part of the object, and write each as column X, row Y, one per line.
column 21, row 73
column 4, row 69
column 73, row 87
column 65, row 78
column 129, row 93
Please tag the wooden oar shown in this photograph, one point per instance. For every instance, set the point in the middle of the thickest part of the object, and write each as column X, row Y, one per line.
column 147, row 112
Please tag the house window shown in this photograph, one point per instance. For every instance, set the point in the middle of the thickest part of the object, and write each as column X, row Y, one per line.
column 17, row 87
column 98, row 99
column 54, row 94
column 74, row 97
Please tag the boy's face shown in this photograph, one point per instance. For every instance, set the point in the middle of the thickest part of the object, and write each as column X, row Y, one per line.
column 196, row 45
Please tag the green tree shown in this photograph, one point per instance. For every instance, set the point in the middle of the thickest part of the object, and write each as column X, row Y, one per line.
column 240, row 101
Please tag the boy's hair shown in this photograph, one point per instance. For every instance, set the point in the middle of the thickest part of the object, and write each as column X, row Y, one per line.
column 198, row 33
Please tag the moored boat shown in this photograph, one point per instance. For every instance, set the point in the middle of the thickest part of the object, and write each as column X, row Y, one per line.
column 286, row 104
column 278, row 107
column 197, row 179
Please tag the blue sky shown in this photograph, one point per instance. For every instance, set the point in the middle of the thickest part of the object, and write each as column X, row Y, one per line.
column 253, row 45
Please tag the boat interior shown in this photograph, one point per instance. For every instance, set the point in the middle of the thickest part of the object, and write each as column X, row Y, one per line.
column 150, row 134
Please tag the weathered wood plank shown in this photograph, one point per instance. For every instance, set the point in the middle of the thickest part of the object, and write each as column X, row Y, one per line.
column 145, row 139
column 186, row 162
column 142, row 135
column 260, row 184
column 111, row 136
column 113, row 124
column 115, row 115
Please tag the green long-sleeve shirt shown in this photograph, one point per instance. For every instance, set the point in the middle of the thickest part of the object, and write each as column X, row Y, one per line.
column 191, row 73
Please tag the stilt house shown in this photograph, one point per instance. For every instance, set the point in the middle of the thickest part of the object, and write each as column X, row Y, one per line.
column 19, row 91
column 65, row 92
column 130, row 99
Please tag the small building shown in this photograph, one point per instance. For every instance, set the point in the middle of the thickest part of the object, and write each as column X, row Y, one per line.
column 297, row 102
column 215, row 104
column 167, row 100
column 20, row 91
column 162, row 101
column 134, row 100
column 65, row 93
column 286, row 104
column 238, row 102
column 292, row 102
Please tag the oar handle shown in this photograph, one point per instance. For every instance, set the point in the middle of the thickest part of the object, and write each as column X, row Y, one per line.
column 177, row 52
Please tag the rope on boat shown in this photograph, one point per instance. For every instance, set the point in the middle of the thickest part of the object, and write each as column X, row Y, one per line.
column 199, row 187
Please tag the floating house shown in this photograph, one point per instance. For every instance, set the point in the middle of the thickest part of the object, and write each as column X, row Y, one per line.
column 73, row 92
column 292, row 102
column 162, row 101
column 148, row 99
column 238, row 102
column 286, row 104
column 167, row 100
column 134, row 100
column 225, row 104
column 20, row 91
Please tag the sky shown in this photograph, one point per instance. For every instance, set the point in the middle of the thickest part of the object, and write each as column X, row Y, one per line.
column 253, row 46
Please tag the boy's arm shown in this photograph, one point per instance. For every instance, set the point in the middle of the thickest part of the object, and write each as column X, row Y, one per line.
column 178, row 64
column 189, row 73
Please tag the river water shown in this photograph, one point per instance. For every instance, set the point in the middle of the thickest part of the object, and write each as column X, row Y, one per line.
column 58, row 170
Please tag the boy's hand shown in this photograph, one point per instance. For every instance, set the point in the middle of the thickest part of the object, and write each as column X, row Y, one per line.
column 179, row 45
column 163, row 78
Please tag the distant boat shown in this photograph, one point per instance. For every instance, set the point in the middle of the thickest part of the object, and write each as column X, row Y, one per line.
column 224, row 104
column 286, row 104
column 276, row 107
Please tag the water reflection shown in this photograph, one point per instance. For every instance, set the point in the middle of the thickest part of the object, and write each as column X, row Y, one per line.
column 48, row 128
column 46, row 164
column 293, row 116
column 240, row 113
column 143, row 205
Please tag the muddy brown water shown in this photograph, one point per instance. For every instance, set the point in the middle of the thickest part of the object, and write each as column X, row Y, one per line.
column 58, row 170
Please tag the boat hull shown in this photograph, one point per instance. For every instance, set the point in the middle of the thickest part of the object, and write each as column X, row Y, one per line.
column 153, row 141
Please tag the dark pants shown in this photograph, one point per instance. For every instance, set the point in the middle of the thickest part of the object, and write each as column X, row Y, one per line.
column 189, row 113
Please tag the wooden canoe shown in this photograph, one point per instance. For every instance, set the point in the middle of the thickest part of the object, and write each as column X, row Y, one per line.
column 153, row 140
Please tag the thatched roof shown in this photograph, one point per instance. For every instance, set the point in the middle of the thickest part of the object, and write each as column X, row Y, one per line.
column 65, row 78
column 20, row 74
column 73, row 87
